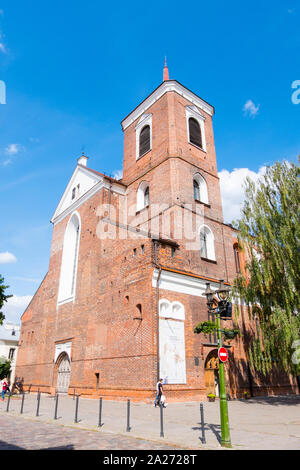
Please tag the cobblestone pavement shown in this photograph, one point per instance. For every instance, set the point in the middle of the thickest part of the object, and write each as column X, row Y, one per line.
column 259, row 423
column 23, row 434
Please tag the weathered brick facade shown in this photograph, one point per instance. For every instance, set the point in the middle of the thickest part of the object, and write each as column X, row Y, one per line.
column 111, row 325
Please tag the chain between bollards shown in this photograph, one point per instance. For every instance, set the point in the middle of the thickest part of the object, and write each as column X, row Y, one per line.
column 22, row 404
column 100, row 413
column 56, row 405
column 128, row 416
column 76, row 409
column 161, row 420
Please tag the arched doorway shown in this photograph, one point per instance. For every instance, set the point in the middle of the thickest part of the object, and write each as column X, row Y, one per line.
column 63, row 373
column 211, row 373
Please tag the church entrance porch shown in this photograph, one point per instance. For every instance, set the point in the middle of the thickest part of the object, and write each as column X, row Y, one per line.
column 63, row 373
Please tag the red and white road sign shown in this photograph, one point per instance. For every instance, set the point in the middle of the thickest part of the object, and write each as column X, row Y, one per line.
column 223, row 354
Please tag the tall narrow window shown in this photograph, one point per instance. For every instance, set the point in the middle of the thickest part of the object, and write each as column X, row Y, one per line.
column 237, row 258
column 196, row 190
column 200, row 189
column 195, row 132
column 203, row 244
column 75, row 260
column 67, row 283
column 143, row 196
column 11, row 354
column 144, row 140
column 146, row 197
column 207, row 248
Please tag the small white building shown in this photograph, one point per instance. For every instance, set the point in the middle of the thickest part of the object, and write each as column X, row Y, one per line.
column 9, row 341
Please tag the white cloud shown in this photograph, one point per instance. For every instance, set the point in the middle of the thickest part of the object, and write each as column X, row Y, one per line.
column 12, row 149
column 232, row 190
column 2, row 46
column 6, row 258
column 7, row 162
column 15, row 306
column 250, row 108
column 118, row 174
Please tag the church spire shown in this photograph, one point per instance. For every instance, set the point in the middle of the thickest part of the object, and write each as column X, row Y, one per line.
column 166, row 71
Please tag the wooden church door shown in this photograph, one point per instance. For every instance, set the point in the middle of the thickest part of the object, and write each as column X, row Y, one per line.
column 63, row 375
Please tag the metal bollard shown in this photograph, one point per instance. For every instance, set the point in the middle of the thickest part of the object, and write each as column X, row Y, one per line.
column 203, row 440
column 38, row 404
column 76, row 409
column 22, row 404
column 128, row 415
column 56, row 405
column 8, row 401
column 100, row 413
column 161, row 421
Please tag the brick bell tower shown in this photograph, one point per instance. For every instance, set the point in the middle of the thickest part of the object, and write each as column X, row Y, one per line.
column 168, row 144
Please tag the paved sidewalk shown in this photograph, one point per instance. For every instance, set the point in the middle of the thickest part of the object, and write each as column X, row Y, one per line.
column 36, row 435
column 258, row 423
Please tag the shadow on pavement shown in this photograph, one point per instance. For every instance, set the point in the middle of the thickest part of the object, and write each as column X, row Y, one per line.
column 68, row 447
column 6, row 446
column 275, row 401
column 215, row 428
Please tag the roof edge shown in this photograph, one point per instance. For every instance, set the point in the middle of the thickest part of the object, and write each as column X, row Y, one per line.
column 164, row 87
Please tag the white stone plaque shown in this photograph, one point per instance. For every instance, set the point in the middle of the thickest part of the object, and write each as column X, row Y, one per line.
column 172, row 351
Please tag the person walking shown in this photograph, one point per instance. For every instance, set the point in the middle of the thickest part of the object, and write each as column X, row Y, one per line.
column 4, row 387
column 159, row 392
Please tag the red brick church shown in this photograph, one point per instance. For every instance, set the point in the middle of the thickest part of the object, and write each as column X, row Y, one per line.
column 129, row 263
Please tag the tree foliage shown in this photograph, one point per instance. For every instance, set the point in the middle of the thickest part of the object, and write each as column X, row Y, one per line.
column 270, row 232
column 3, row 297
column 4, row 367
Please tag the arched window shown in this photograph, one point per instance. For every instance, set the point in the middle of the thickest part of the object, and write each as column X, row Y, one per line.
column 200, row 189
column 68, row 270
column 143, row 196
column 207, row 249
column 144, row 140
column 195, row 132
column 196, row 190
column 146, row 197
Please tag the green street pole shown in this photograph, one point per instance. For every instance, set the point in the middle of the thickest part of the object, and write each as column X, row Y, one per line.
column 225, row 433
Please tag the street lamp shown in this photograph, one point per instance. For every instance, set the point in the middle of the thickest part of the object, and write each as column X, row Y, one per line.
column 222, row 294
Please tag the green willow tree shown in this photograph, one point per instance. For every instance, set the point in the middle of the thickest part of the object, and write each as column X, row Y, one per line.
column 3, row 297
column 270, row 232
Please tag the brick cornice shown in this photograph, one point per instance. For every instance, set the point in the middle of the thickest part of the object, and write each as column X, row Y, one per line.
column 169, row 157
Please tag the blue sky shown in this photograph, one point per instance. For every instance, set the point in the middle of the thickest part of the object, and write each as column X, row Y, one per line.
column 73, row 70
